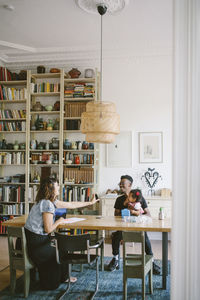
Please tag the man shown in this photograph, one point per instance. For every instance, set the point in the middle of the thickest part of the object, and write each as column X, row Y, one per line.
column 125, row 186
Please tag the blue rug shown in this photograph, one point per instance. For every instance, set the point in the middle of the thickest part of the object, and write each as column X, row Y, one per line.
column 110, row 287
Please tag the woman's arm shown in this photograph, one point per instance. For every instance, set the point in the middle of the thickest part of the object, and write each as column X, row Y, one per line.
column 49, row 225
column 73, row 205
column 135, row 212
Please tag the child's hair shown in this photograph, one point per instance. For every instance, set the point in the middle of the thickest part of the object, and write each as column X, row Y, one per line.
column 46, row 189
column 136, row 193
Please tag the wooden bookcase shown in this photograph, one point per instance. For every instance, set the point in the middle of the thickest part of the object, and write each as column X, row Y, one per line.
column 56, row 131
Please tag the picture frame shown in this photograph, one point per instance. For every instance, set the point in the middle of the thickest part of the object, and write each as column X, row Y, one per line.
column 119, row 154
column 150, row 147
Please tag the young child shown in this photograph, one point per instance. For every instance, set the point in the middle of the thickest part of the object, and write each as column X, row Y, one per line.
column 134, row 202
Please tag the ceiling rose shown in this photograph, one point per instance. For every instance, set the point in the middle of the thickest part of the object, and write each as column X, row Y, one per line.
column 113, row 6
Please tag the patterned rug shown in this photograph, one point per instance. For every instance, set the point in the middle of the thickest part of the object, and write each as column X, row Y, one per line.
column 110, row 287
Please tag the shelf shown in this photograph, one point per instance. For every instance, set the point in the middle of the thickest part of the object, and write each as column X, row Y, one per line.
column 46, row 75
column 44, row 94
column 8, row 150
column 12, row 183
column 11, row 202
column 12, row 131
column 44, row 165
column 76, row 80
column 12, row 101
column 44, row 150
column 14, row 82
column 44, row 131
column 44, row 112
column 11, row 165
column 79, row 99
column 71, row 131
column 72, row 118
column 79, row 151
column 13, row 119
column 78, row 165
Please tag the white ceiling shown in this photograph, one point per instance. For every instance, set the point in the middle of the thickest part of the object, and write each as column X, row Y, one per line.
column 59, row 29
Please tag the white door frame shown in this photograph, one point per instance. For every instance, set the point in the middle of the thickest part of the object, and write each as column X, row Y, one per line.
column 185, row 279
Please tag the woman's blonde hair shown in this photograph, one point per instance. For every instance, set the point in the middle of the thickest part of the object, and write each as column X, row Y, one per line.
column 46, row 189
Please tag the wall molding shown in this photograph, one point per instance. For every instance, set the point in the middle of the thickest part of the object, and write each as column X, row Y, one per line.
column 186, row 149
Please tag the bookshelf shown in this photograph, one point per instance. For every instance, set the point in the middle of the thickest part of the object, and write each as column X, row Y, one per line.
column 43, row 114
column 13, row 146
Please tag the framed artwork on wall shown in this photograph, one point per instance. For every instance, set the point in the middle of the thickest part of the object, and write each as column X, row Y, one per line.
column 119, row 154
column 150, row 147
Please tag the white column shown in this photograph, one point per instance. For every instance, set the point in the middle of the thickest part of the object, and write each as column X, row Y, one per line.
column 185, row 279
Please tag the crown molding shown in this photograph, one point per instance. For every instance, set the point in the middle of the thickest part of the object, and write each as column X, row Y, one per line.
column 81, row 56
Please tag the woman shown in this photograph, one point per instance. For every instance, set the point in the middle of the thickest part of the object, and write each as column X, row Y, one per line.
column 40, row 223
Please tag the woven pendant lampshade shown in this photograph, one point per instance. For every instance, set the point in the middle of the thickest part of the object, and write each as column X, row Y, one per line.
column 100, row 123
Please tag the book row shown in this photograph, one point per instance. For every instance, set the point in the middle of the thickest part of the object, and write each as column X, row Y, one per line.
column 10, row 93
column 9, row 158
column 12, row 114
column 45, row 87
column 13, row 126
column 81, row 194
column 74, row 109
column 12, row 194
column 12, row 209
column 79, row 176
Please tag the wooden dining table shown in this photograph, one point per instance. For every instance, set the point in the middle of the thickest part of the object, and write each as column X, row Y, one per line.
column 114, row 224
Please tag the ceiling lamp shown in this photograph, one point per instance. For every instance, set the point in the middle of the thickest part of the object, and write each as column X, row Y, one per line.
column 100, row 122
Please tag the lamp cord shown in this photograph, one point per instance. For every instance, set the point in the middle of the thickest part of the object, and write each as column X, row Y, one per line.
column 101, row 64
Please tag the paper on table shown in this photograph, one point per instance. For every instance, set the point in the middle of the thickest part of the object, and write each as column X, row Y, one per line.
column 72, row 220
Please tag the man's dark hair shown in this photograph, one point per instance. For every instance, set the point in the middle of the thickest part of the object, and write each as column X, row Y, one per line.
column 127, row 177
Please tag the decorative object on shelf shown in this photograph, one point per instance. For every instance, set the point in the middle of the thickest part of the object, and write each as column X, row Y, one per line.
column 55, row 143
column 56, row 124
column 68, row 162
column 100, row 123
column 54, row 70
column 91, row 146
column 33, row 144
column 23, row 75
column 79, row 145
column 74, row 73
column 50, row 125
column 48, row 107
column 16, row 145
column 150, row 147
column 39, row 123
column 151, row 178
column 67, row 144
column 22, row 146
column 56, row 106
column 40, row 69
column 37, row 106
column 73, row 146
column 84, row 145
column 89, row 73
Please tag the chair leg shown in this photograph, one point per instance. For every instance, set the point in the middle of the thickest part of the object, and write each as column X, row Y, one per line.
column 26, row 282
column 102, row 257
column 12, row 280
column 97, row 278
column 143, row 287
column 124, row 287
column 151, row 281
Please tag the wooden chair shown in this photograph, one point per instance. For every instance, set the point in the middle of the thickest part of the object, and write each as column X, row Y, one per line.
column 136, row 265
column 66, row 245
column 19, row 259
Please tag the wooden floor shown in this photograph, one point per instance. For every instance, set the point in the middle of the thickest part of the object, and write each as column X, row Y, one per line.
column 4, row 259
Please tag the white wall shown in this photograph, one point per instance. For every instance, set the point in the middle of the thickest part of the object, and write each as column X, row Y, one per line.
column 141, row 87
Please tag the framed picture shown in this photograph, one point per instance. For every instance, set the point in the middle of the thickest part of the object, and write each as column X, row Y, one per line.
column 150, row 147
column 119, row 154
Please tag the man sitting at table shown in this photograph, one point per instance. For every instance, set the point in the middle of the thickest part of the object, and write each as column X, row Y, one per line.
column 121, row 203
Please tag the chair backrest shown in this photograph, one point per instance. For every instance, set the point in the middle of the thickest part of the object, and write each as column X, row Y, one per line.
column 17, row 246
column 66, row 244
column 70, row 243
column 134, row 237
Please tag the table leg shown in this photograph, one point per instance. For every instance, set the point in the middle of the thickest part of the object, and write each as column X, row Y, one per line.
column 164, row 259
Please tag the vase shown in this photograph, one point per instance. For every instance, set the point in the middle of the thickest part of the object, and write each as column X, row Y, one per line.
column 74, row 73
